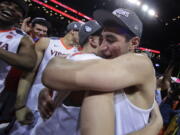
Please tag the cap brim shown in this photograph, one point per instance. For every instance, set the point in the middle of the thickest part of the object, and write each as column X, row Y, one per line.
column 103, row 17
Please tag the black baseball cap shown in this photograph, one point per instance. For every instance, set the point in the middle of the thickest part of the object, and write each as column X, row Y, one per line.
column 123, row 17
column 74, row 26
column 89, row 28
column 21, row 4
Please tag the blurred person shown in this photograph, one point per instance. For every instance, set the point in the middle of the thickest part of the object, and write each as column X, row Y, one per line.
column 168, row 105
column 16, row 49
column 169, row 109
column 133, row 93
column 163, row 83
column 37, row 29
column 30, row 83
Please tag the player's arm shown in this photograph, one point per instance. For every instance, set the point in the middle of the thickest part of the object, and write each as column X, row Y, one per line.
column 97, row 114
column 99, row 75
column 25, row 58
column 155, row 125
column 27, row 79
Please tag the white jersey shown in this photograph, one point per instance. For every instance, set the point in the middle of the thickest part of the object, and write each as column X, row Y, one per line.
column 9, row 40
column 55, row 48
column 129, row 118
column 65, row 119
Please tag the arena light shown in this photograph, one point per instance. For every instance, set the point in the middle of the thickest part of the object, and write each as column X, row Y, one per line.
column 138, row 3
column 151, row 12
column 145, row 7
column 149, row 50
column 132, row 1
column 58, row 11
column 71, row 9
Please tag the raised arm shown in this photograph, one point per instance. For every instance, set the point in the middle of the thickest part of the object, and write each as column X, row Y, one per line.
column 104, row 75
column 25, row 58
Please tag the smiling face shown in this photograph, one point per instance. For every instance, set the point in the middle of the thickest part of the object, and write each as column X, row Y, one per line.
column 10, row 13
column 116, row 41
column 112, row 45
column 39, row 31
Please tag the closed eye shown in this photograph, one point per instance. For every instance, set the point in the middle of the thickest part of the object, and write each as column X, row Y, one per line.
column 110, row 38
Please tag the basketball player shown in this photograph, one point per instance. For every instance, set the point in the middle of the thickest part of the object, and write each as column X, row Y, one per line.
column 69, row 115
column 16, row 48
column 46, row 48
column 124, row 73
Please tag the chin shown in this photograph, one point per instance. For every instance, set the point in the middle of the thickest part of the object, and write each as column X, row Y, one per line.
column 108, row 57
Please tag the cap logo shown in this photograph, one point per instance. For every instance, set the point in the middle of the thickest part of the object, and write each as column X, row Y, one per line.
column 120, row 12
column 75, row 26
column 88, row 29
column 136, row 27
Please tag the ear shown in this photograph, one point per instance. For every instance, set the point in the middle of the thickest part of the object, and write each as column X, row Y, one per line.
column 71, row 32
column 93, row 42
column 134, row 43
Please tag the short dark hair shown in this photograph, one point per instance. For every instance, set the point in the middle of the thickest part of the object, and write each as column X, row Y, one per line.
column 41, row 21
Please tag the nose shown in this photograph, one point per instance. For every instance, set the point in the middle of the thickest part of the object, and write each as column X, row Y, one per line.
column 104, row 45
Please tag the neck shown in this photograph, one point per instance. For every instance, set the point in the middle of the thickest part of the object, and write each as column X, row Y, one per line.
column 88, row 49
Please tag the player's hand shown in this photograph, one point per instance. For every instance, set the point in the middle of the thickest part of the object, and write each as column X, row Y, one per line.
column 46, row 104
column 24, row 116
column 25, row 26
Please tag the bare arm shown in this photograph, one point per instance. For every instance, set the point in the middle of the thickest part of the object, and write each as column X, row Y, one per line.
column 25, row 58
column 97, row 114
column 27, row 79
column 124, row 71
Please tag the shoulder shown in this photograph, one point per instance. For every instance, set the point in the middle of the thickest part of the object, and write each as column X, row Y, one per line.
column 43, row 43
column 43, row 40
column 26, row 40
column 25, row 37
column 134, row 58
column 135, row 64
